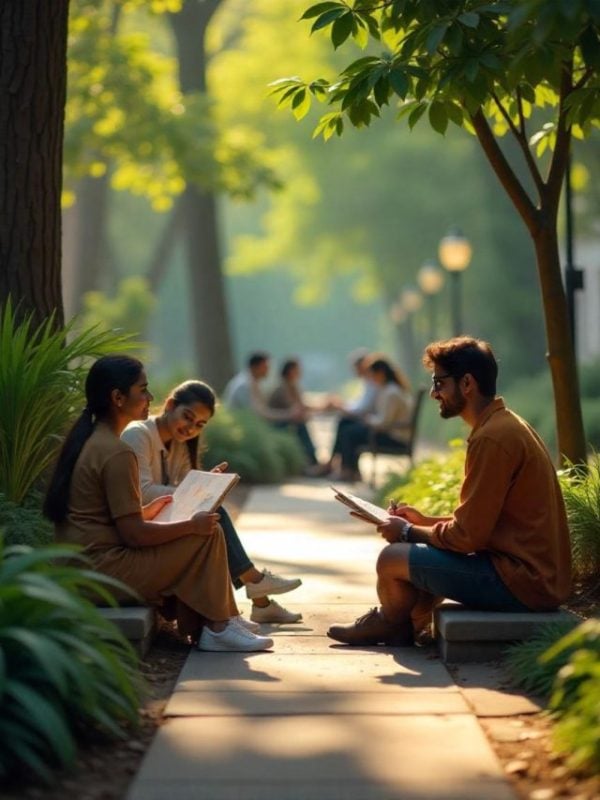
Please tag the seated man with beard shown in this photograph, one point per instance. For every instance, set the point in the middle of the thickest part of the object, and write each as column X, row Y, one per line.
column 506, row 546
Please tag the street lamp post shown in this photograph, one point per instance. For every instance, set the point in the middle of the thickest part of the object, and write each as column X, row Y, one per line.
column 431, row 279
column 411, row 301
column 455, row 255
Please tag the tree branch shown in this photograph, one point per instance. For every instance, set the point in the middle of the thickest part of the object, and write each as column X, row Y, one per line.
column 520, row 136
column 560, row 156
column 504, row 171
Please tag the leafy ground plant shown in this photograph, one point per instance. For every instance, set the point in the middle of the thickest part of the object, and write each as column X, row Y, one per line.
column 65, row 671
column 432, row 485
column 25, row 523
column 256, row 450
column 576, row 696
column 41, row 377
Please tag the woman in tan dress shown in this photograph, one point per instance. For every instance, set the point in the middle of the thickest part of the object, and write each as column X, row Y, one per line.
column 94, row 501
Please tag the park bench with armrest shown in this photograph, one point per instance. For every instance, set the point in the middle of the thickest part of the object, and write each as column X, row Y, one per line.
column 404, row 448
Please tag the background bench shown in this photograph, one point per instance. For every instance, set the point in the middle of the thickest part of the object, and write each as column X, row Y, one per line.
column 401, row 448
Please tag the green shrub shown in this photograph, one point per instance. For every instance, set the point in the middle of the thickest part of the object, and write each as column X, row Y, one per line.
column 64, row 669
column 41, row 376
column 432, row 485
column 25, row 524
column 256, row 450
column 564, row 665
column 581, row 492
column 526, row 665
column 576, row 696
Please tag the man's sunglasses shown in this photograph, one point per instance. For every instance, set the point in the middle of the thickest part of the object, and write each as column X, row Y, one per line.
column 437, row 381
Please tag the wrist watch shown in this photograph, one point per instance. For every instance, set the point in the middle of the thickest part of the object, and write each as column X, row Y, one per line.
column 405, row 530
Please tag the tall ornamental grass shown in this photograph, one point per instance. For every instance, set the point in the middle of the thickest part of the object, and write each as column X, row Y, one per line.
column 65, row 671
column 42, row 371
column 581, row 491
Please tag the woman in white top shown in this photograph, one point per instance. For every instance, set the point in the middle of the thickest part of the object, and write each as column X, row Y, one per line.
column 167, row 447
column 387, row 422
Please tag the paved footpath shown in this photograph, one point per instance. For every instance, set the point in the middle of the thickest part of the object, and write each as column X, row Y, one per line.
column 312, row 720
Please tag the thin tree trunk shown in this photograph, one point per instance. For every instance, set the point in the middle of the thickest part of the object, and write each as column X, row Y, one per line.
column 561, row 357
column 541, row 224
column 91, row 262
column 158, row 263
column 33, row 45
column 209, row 307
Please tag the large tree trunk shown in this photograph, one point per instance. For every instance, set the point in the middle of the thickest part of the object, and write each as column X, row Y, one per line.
column 209, row 307
column 561, row 353
column 33, row 68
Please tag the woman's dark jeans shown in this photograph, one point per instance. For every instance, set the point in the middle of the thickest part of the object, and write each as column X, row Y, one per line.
column 354, row 434
column 236, row 555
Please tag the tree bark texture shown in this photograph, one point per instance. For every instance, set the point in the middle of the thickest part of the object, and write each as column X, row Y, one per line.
column 200, row 228
column 33, row 68
column 570, row 432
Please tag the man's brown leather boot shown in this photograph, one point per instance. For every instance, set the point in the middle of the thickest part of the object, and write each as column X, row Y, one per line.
column 372, row 629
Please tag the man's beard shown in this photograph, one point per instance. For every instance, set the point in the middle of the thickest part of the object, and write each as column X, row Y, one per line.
column 454, row 406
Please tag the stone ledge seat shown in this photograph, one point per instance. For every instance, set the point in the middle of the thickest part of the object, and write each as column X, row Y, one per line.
column 136, row 623
column 464, row 634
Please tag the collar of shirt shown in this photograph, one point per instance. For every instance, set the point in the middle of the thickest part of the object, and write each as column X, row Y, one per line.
column 153, row 428
column 495, row 405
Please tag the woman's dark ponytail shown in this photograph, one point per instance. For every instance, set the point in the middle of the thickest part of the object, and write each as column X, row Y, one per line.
column 106, row 374
column 56, row 501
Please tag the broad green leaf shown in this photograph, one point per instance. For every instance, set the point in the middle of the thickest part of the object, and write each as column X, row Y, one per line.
column 435, row 37
column 416, row 114
column 301, row 104
column 320, row 8
column 469, row 18
column 438, row 117
column 341, row 29
column 381, row 91
column 328, row 18
column 399, row 82
column 455, row 113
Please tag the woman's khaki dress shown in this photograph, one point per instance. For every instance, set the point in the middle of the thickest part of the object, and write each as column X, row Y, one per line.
column 187, row 578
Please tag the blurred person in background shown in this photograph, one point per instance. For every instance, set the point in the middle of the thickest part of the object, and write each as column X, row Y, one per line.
column 386, row 422
column 287, row 396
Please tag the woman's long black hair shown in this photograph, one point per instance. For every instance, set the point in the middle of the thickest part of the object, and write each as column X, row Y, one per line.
column 105, row 375
column 186, row 394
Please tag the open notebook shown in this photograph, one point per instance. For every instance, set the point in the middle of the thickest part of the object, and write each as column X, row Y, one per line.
column 198, row 491
column 368, row 511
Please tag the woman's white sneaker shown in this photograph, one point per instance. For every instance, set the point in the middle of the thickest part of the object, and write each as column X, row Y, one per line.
column 271, row 584
column 235, row 638
column 273, row 613
column 245, row 623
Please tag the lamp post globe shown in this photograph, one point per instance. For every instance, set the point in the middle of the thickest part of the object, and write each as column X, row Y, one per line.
column 431, row 279
column 455, row 253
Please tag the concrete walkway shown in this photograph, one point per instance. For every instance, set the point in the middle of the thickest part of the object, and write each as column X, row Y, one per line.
column 312, row 720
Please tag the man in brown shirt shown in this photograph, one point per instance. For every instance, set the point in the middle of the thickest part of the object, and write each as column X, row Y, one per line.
column 506, row 547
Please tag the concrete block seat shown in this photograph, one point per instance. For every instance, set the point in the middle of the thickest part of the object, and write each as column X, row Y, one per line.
column 136, row 623
column 464, row 634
